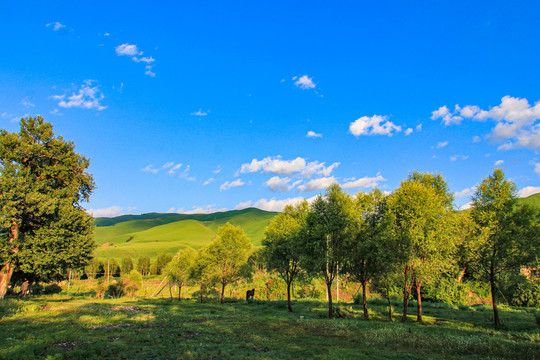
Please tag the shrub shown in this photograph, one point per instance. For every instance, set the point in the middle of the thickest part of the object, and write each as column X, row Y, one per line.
column 52, row 289
column 527, row 293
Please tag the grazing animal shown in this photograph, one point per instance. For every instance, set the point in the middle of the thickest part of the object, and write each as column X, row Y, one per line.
column 250, row 294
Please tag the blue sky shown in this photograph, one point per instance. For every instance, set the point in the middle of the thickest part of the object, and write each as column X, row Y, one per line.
column 206, row 106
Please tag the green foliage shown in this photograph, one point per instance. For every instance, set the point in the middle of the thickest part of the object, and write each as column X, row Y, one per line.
column 52, row 289
column 161, row 262
column 180, row 267
column 42, row 183
column 127, row 265
column 143, row 265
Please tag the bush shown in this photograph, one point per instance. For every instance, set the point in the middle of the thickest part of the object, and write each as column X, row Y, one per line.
column 527, row 293
column 52, row 289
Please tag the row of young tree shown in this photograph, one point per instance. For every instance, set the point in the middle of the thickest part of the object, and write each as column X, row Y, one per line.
column 413, row 234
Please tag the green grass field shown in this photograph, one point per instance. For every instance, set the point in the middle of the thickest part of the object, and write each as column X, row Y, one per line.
column 151, row 234
column 79, row 327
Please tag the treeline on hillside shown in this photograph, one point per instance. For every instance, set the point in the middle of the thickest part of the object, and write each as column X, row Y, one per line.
column 411, row 242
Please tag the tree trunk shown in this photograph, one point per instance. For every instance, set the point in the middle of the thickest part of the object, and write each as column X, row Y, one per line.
column 289, row 306
column 406, row 293
column 364, row 285
column 179, row 292
column 222, row 292
column 7, row 268
column 493, row 300
column 461, row 275
column 170, row 290
column 389, row 305
column 419, row 295
column 330, row 310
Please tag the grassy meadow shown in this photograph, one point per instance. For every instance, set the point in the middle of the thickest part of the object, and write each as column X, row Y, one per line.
column 151, row 234
column 79, row 326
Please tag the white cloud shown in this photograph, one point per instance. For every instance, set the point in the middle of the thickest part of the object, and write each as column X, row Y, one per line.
column 458, row 157
column 537, row 168
column 218, row 170
column 277, row 184
column 476, row 139
column 206, row 209
column 185, row 174
column 272, row 204
column 365, row 182
column 517, row 122
column 174, row 168
column 56, row 26
column 468, row 205
column 274, row 165
column 419, row 127
column 317, row 184
column 313, row 134
column 136, row 55
column 465, row 192
column 448, row 117
column 150, row 168
column 440, row 145
column 374, row 125
column 209, row 181
column 304, row 82
column 200, row 112
column 528, row 191
column 107, row 212
column 85, row 97
column 409, row 131
column 127, row 50
column 499, row 162
column 227, row 185
column 26, row 102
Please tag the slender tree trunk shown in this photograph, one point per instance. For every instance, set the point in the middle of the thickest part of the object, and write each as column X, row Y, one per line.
column 222, row 292
column 406, row 293
column 330, row 310
column 493, row 300
column 289, row 306
column 419, row 295
column 7, row 268
column 179, row 292
column 389, row 305
column 364, row 296
column 170, row 290
column 461, row 275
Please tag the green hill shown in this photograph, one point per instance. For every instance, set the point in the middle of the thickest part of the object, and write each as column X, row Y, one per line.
column 153, row 233
column 533, row 200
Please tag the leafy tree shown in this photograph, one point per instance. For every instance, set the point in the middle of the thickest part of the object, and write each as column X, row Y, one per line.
column 507, row 237
column 283, row 242
column 42, row 183
column 114, row 268
column 418, row 227
column 202, row 272
column 143, row 265
column 127, row 265
column 179, row 268
column 365, row 259
column 228, row 255
column 161, row 262
column 330, row 226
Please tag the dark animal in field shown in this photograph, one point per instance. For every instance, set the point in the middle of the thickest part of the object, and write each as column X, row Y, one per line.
column 250, row 294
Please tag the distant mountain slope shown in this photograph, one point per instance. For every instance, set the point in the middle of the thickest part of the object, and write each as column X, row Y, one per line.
column 150, row 234
column 533, row 200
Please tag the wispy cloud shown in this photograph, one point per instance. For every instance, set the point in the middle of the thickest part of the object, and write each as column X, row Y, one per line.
column 135, row 53
column 317, row 184
column 150, row 169
column 313, row 134
column 277, row 166
column 227, row 185
column 458, row 157
column 409, row 131
column 86, row 96
column 205, row 209
column 440, row 145
column 465, row 192
column 26, row 102
column 373, row 125
column 55, row 26
column 209, row 181
column 499, row 162
column 304, row 82
column 200, row 112
column 110, row 211
column 272, row 204
column 278, row 184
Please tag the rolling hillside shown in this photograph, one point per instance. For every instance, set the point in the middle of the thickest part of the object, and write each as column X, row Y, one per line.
column 533, row 200
column 151, row 234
